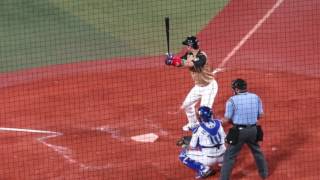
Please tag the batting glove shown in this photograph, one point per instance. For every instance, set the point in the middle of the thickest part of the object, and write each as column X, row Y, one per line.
column 169, row 59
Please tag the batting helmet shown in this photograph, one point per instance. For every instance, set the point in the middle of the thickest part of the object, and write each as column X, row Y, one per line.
column 205, row 113
column 191, row 41
column 239, row 84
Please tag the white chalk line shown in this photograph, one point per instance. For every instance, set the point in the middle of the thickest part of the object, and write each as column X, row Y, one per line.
column 249, row 34
column 65, row 152
column 27, row 130
column 156, row 127
column 115, row 133
column 174, row 112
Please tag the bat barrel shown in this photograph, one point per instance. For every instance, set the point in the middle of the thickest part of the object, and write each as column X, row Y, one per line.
column 167, row 32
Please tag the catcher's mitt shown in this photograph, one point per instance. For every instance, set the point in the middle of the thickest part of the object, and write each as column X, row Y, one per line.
column 184, row 141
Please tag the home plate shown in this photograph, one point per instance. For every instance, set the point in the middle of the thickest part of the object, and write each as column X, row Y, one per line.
column 150, row 137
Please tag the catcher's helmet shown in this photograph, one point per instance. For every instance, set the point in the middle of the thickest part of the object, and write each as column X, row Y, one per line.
column 205, row 113
column 239, row 84
column 191, row 41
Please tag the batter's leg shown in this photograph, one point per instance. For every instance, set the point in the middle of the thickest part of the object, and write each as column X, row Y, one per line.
column 209, row 93
column 189, row 107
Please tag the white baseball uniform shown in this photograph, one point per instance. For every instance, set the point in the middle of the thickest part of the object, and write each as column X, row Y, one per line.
column 209, row 138
column 205, row 88
column 206, row 148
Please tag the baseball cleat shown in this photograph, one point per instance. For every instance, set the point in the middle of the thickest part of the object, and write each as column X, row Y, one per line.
column 190, row 126
column 204, row 174
column 186, row 127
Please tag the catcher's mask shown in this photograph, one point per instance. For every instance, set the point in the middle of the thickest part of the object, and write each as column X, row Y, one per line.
column 205, row 113
column 191, row 41
column 239, row 84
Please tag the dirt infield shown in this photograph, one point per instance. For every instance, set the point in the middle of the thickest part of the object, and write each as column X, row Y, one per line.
column 93, row 108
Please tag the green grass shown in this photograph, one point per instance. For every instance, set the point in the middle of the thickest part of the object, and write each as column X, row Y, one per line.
column 38, row 33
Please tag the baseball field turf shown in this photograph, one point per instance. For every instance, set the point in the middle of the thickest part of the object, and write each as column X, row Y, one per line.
column 80, row 78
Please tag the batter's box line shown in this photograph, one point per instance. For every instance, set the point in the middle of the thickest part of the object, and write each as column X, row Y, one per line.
column 65, row 152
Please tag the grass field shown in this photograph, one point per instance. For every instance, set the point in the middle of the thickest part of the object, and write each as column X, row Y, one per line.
column 38, row 33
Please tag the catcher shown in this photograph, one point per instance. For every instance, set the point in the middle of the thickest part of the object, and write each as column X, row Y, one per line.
column 206, row 146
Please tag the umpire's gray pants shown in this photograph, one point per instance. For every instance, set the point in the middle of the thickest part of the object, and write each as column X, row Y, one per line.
column 246, row 136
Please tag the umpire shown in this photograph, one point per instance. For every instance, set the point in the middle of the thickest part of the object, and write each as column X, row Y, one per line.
column 243, row 110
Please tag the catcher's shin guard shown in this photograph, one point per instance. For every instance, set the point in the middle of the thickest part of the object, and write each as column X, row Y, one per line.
column 190, row 162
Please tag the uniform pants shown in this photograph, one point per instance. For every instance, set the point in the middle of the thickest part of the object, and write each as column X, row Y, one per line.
column 199, row 156
column 246, row 136
column 205, row 94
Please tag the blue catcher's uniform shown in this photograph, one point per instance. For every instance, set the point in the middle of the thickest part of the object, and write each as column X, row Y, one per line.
column 207, row 147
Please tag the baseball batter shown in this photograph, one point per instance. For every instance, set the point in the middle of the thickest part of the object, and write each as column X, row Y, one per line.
column 205, row 88
column 207, row 146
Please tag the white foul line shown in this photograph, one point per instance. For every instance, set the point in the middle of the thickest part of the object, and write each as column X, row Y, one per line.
column 65, row 152
column 249, row 34
column 27, row 130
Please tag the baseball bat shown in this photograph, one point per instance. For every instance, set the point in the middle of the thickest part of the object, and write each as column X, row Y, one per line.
column 167, row 33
